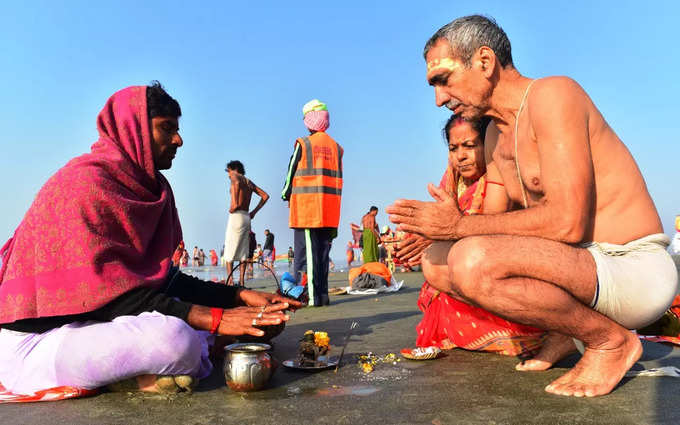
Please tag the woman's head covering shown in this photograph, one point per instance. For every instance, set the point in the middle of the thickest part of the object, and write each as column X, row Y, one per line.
column 315, row 115
column 102, row 225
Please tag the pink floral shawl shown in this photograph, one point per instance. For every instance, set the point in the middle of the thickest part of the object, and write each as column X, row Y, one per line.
column 102, row 225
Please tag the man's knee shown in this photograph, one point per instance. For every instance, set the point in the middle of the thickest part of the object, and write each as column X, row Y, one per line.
column 470, row 267
column 434, row 264
column 177, row 332
column 427, row 267
column 176, row 343
column 106, row 352
column 436, row 275
column 432, row 273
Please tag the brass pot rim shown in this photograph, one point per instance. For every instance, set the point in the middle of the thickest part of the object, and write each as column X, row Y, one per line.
column 248, row 347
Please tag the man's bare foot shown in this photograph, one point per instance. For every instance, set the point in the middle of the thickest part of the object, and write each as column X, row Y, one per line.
column 599, row 370
column 148, row 383
column 145, row 383
column 164, row 384
column 555, row 348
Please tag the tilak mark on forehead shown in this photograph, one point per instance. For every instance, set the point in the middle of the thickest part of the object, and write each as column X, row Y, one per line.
column 447, row 64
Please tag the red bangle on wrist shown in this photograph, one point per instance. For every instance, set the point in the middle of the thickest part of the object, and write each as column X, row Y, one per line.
column 216, row 318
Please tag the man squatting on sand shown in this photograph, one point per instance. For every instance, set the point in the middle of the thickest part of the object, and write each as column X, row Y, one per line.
column 584, row 257
column 88, row 296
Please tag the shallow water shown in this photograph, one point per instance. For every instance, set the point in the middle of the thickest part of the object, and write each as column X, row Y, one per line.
column 219, row 273
column 333, row 391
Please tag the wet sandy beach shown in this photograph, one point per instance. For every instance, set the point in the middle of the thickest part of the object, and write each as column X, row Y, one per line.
column 459, row 388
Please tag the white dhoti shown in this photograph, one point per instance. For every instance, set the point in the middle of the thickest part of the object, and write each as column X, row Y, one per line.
column 636, row 282
column 237, row 237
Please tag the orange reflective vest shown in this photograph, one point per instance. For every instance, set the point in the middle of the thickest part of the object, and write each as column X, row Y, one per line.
column 317, row 184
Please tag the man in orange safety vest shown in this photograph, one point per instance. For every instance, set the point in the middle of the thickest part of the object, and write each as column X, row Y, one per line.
column 313, row 189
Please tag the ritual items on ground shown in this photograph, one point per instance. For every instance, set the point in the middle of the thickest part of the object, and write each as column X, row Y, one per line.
column 666, row 328
column 369, row 276
column 372, row 278
column 313, row 349
column 248, row 366
column 341, row 290
column 421, row 353
column 367, row 362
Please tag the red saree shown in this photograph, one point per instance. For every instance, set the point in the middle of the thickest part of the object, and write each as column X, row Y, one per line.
column 177, row 255
column 448, row 323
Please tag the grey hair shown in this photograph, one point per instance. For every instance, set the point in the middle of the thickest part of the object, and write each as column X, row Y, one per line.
column 469, row 33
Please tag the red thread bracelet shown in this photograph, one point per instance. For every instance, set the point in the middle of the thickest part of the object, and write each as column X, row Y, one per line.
column 216, row 318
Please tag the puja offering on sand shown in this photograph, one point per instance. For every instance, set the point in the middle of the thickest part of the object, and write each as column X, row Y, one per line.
column 313, row 349
column 313, row 352
column 367, row 362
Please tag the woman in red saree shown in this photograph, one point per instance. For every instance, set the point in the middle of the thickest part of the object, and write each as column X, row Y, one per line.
column 447, row 322
column 184, row 258
column 177, row 255
column 350, row 253
column 213, row 257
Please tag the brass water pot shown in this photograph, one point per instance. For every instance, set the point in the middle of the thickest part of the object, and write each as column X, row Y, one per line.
column 247, row 366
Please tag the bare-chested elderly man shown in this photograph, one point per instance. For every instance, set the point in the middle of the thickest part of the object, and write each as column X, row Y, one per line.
column 584, row 257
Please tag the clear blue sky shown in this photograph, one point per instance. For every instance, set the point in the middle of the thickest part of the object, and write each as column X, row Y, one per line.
column 242, row 72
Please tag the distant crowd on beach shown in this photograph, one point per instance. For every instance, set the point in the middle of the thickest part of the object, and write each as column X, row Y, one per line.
column 386, row 239
column 257, row 256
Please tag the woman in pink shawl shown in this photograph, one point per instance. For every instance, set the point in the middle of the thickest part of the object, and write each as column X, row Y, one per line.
column 88, row 294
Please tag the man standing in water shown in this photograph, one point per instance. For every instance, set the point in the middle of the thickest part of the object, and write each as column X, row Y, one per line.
column 585, row 258
column 194, row 259
column 268, row 248
column 291, row 255
column 237, row 239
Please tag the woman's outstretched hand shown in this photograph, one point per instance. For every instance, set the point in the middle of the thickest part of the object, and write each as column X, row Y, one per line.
column 240, row 320
column 243, row 320
column 258, row 299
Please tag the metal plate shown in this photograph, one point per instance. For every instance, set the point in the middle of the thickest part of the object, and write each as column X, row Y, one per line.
column 421, row 353
column 294, row 364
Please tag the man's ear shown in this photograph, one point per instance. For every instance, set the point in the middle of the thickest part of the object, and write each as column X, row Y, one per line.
column 485, row 59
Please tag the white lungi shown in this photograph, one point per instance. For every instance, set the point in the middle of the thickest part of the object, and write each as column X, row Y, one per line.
column 636, row 282
column 237, row 237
